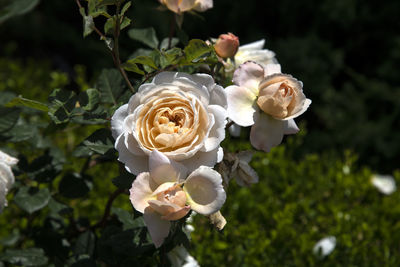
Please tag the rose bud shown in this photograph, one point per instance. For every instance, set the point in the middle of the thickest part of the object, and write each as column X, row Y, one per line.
column 226, row 45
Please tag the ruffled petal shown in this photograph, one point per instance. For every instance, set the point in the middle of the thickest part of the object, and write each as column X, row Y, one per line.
column 140, row 192
column 164, row 170
column 266, row 132
column 218, row 96
column 249, row 75
column 303, row 109
column 217, row 132
column 133, row 163
column 158, row 228
column 270, row 69
column 204, row 190
column 241, row 105
column 203, row 5
column 117, row 120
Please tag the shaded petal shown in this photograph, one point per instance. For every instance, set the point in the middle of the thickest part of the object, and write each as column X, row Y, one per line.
column 241, row 105
column 117, row 120
column 290, row 127
column 217, row 132
column 6, row 175
column 257, row 45
column 179, row 214
column 249, row 75
column 158, row 228
column 303, row 109
column 218, row 96
column 245, row 156
column 3, row 193
column 133, row 163
column 266, row 132
column 163, row 169
column 7, row 159
column 246, row 175
column 203, row 158
column 204, row 190
column 140, row 192
column 235, row 130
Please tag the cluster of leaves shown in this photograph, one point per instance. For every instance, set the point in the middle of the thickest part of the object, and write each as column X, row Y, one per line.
column 278, row 221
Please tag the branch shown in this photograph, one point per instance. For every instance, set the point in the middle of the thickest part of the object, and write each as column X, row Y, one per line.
column 107, row 210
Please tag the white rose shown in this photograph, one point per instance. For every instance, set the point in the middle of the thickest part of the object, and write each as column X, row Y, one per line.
column 181, row 115
column 6, row 177
column 267, row 100
column 167, row 193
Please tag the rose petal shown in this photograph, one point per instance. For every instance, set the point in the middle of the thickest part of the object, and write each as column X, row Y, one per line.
column 163, row 169
column 7, row 159
column 235, row 130
column 249, row 75
column 158, row 228
column 6, row 175
column 141, row 192
column 246, row 175
column 218, row 96
column 205, row 192
column 179, row 214
column 217, row 132
column 3, row 193
column 303, row 109
column 270, row 69
column 206, row 158
column 266, row 132
column 203, row 5
column 257, row 45
column 117, row 120
column 241, row 105
column 290, row 127
column 133, row 163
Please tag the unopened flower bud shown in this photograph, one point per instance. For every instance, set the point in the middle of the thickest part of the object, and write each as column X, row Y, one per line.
column 227, row 45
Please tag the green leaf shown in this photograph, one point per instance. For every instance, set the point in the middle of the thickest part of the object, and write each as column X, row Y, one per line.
column 88, row 25
column 109, row 26
column 100, row 141
column 8, row 118
column 85, row 244
column 126, row 218
column 21, row 101
column 165, row 42
column 111, row 86
column 101, row 3
column 25, row 257
column 11, row 8
column 196, row 49
column 6, row 97
column 89, row 99
column 144, row 60
column 146, row 36
column 171, row 57
column 125, row 8
column 62, row 103
column 94, row 10
column 32, row 199
column 125, row 23
column 73, row 185
column 133, row 68
column 11, row 239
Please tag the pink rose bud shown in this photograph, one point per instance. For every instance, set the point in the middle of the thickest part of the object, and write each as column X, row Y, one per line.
column 227, row 45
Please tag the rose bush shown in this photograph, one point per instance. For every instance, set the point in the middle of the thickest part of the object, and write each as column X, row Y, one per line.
column 268, row 100
column 180, row 115
column 166, row 193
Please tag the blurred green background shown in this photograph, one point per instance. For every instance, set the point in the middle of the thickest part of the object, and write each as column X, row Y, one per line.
column 346, row 52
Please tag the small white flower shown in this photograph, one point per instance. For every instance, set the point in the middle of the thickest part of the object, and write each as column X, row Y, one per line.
column 325, row 246
column 179, row 257
column 167, row 193
column 6, row 177
column 267, row 100
column 384, row 183
column 181, row 115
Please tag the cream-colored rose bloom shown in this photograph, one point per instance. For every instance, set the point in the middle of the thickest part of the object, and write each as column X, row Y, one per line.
column 180, row 115
column 267, row 100
column 179, row 6
column 280, row 96
column 167, row 193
